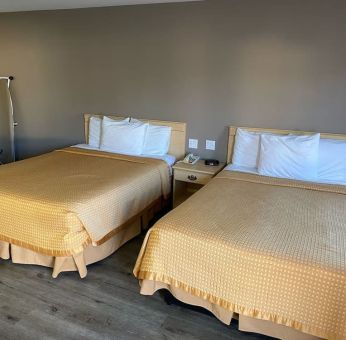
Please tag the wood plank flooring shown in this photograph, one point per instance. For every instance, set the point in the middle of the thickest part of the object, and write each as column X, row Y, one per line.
column 104, row 305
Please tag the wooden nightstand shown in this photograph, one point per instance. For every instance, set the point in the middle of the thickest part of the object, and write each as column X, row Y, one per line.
column 188, row 178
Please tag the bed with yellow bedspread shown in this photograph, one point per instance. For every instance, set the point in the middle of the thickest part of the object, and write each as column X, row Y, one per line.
column 266, row 248
column 59, row 203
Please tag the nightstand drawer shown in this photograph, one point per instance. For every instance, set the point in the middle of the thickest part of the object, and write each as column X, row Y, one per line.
column 191, row 176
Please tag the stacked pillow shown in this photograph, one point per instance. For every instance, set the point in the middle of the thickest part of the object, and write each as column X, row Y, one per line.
column 129, row 136
column 246, row 149
column 289, row 156
column 157, row 140
column 122, row 136
column 332, row 163
column 303, row 157
column 95, row 128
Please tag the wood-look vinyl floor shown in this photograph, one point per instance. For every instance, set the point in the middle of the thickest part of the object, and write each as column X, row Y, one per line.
column 104, row 305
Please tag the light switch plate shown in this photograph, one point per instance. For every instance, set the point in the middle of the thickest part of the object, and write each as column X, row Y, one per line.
column 210, row 144
column 193, row 143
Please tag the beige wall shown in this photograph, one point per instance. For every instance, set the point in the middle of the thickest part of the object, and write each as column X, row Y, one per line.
column 270, row 63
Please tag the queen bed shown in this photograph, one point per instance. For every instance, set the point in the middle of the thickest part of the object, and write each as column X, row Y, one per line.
column 269, row 251
column 75, row 206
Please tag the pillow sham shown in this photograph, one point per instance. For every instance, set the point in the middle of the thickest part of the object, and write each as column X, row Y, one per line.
column 332, row 160
column 290, row 156
column 94, row 131
column 246, row 148
column 157, row 140
column 123, row 137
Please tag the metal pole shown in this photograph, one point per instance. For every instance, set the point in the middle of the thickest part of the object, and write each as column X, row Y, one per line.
column 9, row 78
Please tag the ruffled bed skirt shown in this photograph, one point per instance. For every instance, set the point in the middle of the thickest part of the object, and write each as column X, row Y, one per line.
column 246, row 323
column 79, row 262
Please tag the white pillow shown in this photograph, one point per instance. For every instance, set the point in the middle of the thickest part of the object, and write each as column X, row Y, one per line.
column 290, row 156
column 246, row 148
column 157, row 140
column 332, row 162
column 123, row 137
column 116, row 121
column 95, row 131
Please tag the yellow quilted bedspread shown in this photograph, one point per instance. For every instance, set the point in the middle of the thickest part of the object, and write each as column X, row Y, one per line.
column 62, row 201
column 271, row 249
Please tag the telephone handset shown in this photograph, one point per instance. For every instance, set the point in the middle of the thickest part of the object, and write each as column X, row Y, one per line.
column 191, row 159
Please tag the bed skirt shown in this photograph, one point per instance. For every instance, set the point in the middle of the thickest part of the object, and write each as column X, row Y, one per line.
column 91, row 254
column 247, row 324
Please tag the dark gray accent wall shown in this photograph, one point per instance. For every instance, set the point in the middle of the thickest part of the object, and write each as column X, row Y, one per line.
column 268, row 63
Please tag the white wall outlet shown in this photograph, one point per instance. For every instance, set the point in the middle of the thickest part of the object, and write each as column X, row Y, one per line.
column 210, row 144
column 193, row 143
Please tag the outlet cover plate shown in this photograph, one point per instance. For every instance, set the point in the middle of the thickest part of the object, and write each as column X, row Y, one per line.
column 193, row 143
column 210, row 144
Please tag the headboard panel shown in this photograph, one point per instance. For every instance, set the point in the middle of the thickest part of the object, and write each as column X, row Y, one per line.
column 233, row 130
column 178, row 136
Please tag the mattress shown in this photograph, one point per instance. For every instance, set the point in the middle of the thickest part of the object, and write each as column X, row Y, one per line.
column 267, row 248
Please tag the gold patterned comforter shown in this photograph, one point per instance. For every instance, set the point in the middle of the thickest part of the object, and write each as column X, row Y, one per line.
column 272, row 249
column 60, row 202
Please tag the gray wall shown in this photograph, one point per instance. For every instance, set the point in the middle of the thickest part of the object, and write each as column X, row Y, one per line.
column 269, row 63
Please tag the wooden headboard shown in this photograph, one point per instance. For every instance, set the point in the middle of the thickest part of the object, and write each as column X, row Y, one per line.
column 178, row 136
column 232, row 130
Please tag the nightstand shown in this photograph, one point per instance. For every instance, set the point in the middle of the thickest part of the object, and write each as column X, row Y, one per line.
column 188, row 178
